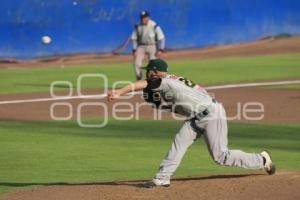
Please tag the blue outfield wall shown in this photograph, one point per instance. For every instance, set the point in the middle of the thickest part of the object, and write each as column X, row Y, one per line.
column 102, row 25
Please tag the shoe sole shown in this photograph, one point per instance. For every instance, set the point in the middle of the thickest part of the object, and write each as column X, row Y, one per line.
column 272, row 166
column 272, row 169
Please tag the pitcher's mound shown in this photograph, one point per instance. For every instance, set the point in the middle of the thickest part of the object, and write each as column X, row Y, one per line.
column 284, row 185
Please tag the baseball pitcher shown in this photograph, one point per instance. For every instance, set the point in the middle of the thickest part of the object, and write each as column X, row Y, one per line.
column 205, row 117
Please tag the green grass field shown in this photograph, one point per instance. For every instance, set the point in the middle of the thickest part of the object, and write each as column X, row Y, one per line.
column 35, row 153
column 207, row 71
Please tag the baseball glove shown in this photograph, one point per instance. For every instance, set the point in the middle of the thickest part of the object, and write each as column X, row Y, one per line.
column 152, row 97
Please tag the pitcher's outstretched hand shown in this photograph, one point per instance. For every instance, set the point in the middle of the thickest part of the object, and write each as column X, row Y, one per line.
column 112, row 94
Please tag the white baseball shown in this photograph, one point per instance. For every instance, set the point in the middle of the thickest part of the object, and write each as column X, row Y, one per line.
column 46, row 39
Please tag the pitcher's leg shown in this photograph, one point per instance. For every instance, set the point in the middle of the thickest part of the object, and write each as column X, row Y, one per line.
column 138, row 61
column 182, row 141
column 216, row 139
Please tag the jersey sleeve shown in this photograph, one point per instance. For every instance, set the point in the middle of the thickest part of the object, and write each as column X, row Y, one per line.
column 134, row 33
column 134, row 39
column 160, row 34
column 133, row 36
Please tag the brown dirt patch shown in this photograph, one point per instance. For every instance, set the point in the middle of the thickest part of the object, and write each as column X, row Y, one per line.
column 280, row 105
column 268, row 45
column 283, row 185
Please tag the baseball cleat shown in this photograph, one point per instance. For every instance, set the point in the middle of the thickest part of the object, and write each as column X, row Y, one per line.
column 157, row 183
column 269, row 166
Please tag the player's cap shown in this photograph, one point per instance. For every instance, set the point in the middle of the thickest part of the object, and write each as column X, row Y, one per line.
column 157, row 64
column 144, row 13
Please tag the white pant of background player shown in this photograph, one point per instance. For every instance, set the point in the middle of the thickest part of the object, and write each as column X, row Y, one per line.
column 141, row 51
column 214, row 129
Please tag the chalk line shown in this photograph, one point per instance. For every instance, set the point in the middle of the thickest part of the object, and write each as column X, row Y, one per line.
column 101, row 96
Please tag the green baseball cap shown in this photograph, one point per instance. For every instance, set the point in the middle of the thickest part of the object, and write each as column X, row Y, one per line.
column 157, row 64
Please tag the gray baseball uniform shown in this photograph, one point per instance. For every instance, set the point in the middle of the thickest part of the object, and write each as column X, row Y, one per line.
column 207, row 118
column 144, row 40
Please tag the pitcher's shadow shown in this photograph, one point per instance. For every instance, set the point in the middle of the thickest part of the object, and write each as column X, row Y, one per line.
column 133, row 183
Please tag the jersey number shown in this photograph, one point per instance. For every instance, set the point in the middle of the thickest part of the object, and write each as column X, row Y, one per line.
column 187, row 82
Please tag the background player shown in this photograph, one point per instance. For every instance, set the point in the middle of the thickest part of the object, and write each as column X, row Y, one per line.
column 205, row 116
column 147, row 39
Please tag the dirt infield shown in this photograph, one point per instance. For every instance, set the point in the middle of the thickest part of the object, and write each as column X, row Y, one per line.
column 280, row 105
column 284, row 185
